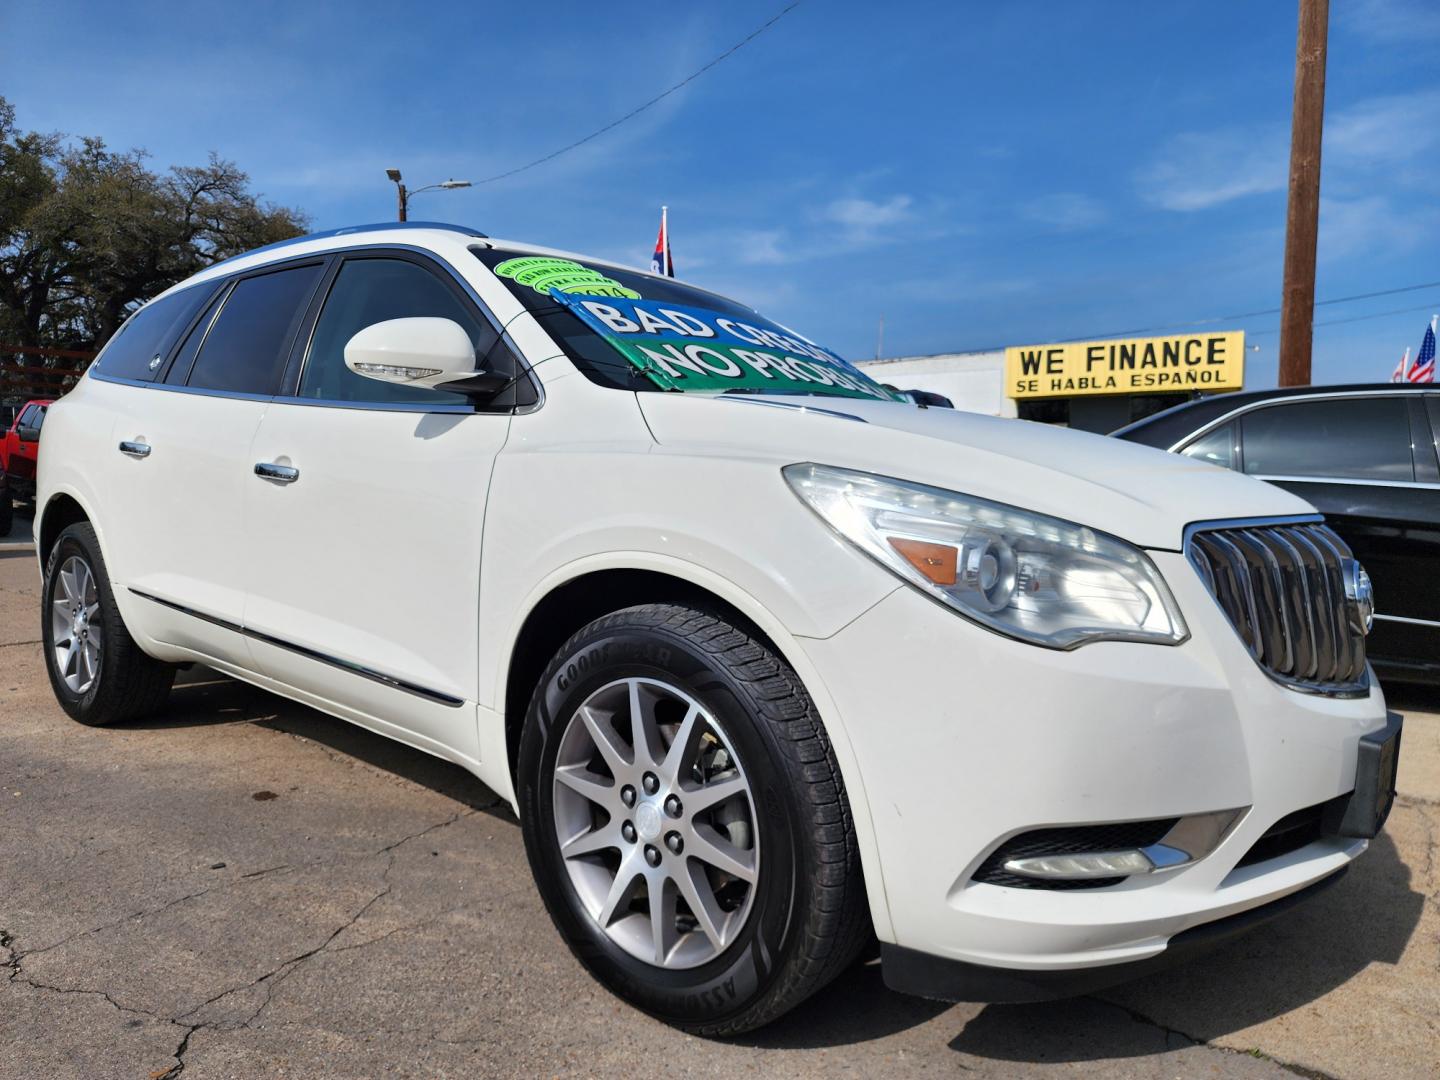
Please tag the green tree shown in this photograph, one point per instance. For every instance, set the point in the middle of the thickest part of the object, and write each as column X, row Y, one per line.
column 88, row 233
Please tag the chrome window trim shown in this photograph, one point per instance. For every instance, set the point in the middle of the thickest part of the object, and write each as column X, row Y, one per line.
column 369, row 406
column 312, row 654
column 1346, row 480
column 1241, row 410
column 1407, row 620
column 176, row 389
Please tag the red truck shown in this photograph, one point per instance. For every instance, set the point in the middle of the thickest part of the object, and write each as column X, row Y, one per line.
column 19, row 450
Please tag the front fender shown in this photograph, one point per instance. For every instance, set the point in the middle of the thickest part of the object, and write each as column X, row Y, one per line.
column 783, row 640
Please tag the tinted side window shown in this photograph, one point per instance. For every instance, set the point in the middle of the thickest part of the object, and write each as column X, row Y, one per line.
column 246, row 348
column 185, row 358
column 1351, row 438
column 149, row 333
column 28, row 416
column 368, row 291
column 1215, row 447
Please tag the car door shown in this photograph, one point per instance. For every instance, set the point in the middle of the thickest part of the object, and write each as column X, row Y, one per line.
column 182, row 455
column 1367, row 463
column 364, row 553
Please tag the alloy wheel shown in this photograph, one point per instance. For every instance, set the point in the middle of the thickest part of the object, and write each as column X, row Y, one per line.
column 75, row 626
column 656, row 822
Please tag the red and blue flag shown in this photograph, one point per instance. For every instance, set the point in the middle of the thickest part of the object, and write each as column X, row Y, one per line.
column 661, row 262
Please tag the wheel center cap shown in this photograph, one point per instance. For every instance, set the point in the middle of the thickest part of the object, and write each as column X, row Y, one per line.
column 647, row 821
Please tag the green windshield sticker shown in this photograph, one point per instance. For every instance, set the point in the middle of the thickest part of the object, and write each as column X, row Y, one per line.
column 691, row 348
column 543, row 273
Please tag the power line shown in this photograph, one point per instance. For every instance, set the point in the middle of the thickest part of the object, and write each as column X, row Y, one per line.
column 653, row 101
column 1358, row 318
column 1255, row 314
column 1249, row 315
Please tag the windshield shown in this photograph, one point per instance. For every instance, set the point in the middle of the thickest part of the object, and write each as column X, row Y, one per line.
column 637, row 331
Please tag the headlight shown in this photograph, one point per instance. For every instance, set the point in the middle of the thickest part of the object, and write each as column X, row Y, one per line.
column 1027, row 575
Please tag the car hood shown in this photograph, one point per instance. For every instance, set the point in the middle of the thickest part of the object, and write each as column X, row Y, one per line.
column 1143, row 495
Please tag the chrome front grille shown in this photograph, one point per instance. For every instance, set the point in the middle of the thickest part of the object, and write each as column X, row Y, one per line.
column 1283, row 587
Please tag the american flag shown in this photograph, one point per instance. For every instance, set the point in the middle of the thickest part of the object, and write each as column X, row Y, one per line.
column 661, row 262
column 1424, row 369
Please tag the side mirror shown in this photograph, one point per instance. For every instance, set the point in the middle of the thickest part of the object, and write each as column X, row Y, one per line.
column 28, row 434
column 426, row 352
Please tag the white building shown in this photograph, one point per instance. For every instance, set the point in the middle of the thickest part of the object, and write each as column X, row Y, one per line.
column 973, row 381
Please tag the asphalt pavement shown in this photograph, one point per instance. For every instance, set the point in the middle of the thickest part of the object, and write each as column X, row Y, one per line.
column 243, row 887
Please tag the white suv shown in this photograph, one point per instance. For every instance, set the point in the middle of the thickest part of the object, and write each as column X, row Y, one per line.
column 765, row 660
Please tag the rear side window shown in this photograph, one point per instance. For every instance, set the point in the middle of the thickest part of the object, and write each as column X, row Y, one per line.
column 139, row 347
column 1347, row 438
column 1214, row 447
column 368, row 291
column 246, row 348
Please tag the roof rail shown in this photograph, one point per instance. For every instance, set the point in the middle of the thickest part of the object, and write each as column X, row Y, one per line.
column 349, row 229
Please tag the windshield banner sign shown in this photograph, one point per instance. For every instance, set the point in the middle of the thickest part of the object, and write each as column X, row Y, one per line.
column 690, row 348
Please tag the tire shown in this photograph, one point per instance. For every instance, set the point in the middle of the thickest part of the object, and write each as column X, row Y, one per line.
column 7, row 512
column 768, row 942
column 104, row 683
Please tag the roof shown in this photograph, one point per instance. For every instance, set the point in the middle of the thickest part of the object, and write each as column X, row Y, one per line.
column 1164, row 429
column 219, row 269
column 379, row 226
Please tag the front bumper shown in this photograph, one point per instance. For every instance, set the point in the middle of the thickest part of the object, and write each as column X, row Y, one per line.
column 913, row 972
column 966, row 738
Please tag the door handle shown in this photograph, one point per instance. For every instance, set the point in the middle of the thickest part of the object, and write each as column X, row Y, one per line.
column 135, row 449
column 286, row 474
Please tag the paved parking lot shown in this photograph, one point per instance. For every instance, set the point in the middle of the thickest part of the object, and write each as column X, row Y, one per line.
column 246, row 888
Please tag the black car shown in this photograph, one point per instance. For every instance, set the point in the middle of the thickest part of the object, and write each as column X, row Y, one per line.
column 1365, row 456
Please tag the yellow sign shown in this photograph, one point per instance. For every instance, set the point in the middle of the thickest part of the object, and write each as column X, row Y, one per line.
column 1133, row 366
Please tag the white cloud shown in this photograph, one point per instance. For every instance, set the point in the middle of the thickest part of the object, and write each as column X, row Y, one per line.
column 1372, row 223
column 1404, row 21
column 761, row 247
column 1393, row 129
column 866, row 214
column 1066, row 210
column 1198, row 170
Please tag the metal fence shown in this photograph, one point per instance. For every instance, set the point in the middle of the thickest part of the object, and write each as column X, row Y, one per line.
column 37, row 371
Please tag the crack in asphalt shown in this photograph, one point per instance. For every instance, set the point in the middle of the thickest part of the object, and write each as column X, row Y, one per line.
column 271, row 979
column 1170, row 1032
column 148, row 912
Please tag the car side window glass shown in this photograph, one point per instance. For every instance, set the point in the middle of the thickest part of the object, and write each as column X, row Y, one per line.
column 1214, row 447
column 148, row 335
column 1365, row 438
column 185, row 359
column 246, row 348
column 38, row 420
column 371, row 290
column 27, row 416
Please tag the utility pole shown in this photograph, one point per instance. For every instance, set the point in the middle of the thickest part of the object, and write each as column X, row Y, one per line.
column 1302, row 218
column 401, row 196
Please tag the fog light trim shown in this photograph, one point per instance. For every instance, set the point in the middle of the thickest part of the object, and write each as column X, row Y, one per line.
column 1191, row 839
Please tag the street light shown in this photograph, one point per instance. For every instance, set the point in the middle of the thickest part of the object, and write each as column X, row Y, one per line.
column 403, row 195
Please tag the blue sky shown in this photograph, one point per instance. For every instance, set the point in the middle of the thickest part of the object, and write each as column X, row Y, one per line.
column 980, row 174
